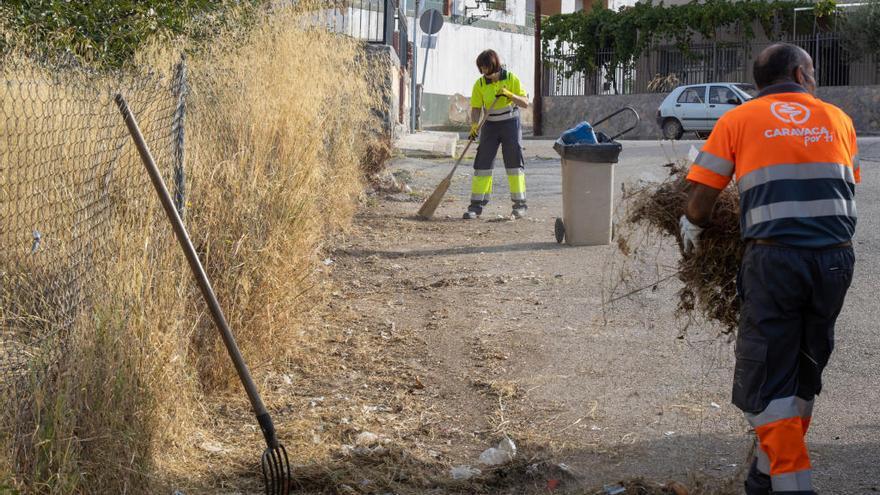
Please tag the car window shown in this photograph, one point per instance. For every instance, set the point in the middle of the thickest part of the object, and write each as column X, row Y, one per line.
column 718, row 95
column 748, row 89
column 743, row 95
column 691, row 95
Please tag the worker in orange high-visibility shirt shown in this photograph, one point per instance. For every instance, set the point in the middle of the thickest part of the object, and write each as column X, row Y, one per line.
column 796, row 166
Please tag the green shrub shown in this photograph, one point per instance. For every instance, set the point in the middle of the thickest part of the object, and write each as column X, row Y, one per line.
column 104, row 33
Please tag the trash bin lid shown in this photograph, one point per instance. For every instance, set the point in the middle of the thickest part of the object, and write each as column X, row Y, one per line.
column 595, row 153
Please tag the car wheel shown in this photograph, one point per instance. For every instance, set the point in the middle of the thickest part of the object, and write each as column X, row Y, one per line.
column 672, row 129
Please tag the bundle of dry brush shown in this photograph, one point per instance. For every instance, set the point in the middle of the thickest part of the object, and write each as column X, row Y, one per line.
column 709, row 275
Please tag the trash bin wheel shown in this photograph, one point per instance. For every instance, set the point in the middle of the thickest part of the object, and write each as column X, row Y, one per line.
column 559, row 230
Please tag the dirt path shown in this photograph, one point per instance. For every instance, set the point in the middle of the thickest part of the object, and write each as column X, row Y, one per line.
column 506, row 331
column 501, row 331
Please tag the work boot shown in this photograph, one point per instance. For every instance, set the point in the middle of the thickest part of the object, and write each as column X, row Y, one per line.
column 519, row 209
column 757, row 483
column 473, row 211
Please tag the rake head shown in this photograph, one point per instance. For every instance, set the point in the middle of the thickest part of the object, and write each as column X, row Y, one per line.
column 276, row 467
column 276, row 471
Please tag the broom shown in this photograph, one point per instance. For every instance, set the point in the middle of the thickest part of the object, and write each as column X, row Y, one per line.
column 430, row 205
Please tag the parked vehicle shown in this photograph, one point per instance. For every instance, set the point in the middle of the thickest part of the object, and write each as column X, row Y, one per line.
column 696, row 107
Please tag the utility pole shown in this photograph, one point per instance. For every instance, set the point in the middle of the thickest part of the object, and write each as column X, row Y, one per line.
column 538, row 101
column 413, row 78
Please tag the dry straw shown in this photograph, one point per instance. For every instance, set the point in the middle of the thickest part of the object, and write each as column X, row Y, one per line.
column 709, row 274
column 279, row 120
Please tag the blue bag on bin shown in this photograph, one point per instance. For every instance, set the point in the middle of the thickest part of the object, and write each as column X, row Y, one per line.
column 579, row 134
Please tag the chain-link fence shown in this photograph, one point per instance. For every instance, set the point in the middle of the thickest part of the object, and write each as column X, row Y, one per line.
column 71, row 184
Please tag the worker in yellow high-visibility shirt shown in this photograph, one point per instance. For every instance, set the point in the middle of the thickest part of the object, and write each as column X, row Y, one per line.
column 502, row 127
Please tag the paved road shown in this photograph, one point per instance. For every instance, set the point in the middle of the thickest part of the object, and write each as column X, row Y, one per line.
column 654, row 405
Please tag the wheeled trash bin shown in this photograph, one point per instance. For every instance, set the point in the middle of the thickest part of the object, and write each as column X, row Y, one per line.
column 588, row 188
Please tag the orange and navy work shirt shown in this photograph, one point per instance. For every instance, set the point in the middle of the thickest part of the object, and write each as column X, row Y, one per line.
column 796, row 164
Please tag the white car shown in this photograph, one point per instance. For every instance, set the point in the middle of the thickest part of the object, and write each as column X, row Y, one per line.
column 696, row 107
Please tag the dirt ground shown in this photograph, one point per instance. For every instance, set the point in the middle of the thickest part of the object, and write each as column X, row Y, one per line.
column 503, row 332
column 445, row 337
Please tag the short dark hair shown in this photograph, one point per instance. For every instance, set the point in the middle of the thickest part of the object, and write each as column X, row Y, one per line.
column 777, row 63
column 489, row 59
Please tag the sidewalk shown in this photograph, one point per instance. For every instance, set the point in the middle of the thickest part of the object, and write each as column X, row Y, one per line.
column 428, row 143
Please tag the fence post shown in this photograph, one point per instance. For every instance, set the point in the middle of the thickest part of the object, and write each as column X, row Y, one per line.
column 538, row 101
column 179, row 89
column 715, row 77
column 388, row 32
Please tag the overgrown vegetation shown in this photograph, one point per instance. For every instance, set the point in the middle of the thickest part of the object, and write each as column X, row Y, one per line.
column 860, row 29
column 629, row 32
column 274, row 146
column 107, row 33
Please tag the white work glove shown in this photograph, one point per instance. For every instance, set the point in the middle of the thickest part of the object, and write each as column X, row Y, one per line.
column 690, row 235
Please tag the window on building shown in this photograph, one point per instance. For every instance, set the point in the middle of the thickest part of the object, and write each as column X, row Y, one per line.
column 496, row 4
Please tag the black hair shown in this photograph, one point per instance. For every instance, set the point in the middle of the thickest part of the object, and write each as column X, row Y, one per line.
column 778, row 63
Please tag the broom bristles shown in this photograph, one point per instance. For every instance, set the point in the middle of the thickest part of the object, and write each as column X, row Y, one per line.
column 433, row 202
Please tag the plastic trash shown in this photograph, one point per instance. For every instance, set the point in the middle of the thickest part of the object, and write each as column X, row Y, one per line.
column 614, row 490
column 580, row 134
column 463, row 472
column 366, row 439
column 565, row 468
column 508, row 446
column 495, row 456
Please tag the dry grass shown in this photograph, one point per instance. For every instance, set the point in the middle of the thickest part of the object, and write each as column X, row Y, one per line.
column 278, row 124
column 278, row 132
column 709, row 275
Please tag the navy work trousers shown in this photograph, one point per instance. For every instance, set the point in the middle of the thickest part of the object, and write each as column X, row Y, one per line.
column 791, row 298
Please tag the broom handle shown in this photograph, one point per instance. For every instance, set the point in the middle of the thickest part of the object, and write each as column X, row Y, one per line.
column 199, row 274
column 471, row 140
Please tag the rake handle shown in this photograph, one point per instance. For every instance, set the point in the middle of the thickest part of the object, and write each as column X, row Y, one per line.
column 201, row 277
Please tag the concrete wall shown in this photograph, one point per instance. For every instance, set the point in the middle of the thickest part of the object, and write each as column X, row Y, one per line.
column 862, row 103
column 452, row 65
column 388, row 76
column 514, row 12
column 453, row 112
column 564, row 112
column 451, row 70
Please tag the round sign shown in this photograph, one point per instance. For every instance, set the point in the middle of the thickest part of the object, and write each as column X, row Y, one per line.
column 431, row 21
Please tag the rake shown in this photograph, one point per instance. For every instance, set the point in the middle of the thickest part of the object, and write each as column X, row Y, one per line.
column 430, row 205
column 274, row 462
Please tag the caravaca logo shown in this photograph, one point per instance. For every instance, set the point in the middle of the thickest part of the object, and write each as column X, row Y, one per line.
column 790, row 113
column 795, row 115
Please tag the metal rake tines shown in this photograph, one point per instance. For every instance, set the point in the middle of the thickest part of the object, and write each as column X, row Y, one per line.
column 276, row 471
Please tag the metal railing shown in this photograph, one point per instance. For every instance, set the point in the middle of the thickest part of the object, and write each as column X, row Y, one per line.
column 400, row 33
column 374, row 21
column 663, row 67
column 362, row 19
